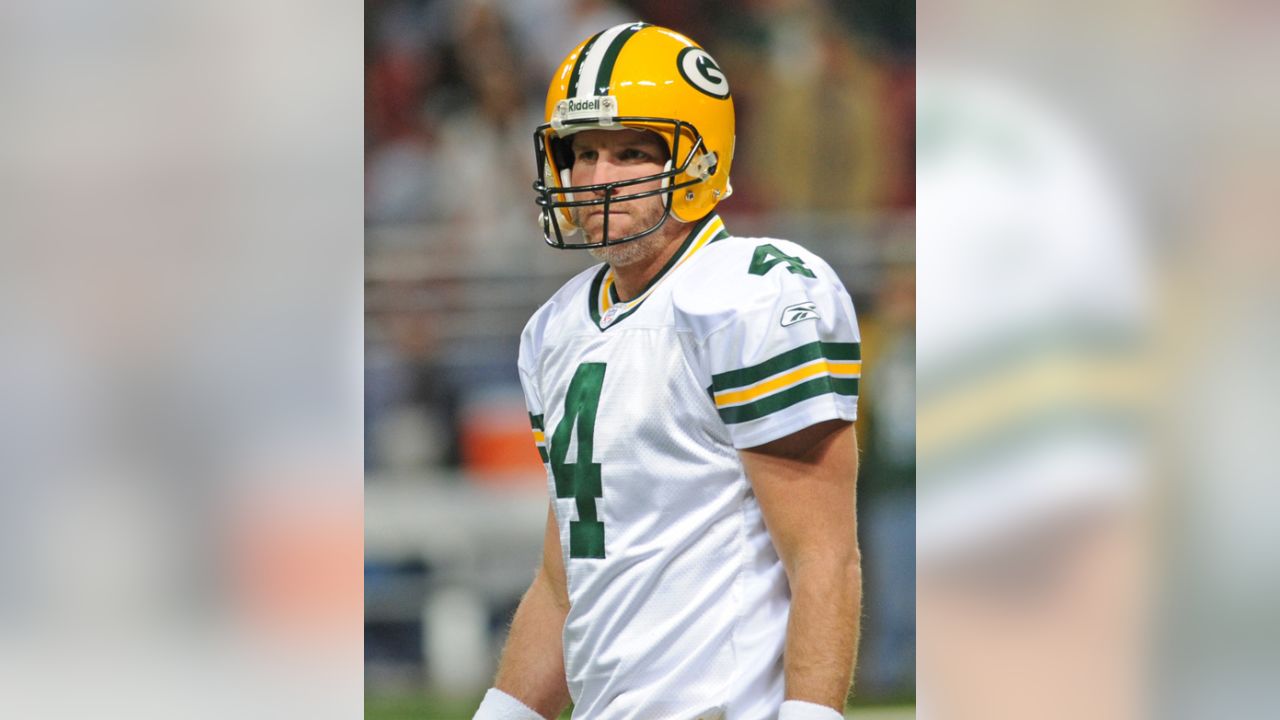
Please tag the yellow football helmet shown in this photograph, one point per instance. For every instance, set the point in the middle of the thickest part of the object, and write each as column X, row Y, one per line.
column 644, row 77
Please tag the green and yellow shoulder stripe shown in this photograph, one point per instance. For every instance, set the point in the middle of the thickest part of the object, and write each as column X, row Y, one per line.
column 818, row 368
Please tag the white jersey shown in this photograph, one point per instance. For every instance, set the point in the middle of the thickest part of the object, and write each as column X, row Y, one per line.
column 679, row 602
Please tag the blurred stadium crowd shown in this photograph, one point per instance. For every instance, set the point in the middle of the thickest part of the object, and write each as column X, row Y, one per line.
column 455, row 494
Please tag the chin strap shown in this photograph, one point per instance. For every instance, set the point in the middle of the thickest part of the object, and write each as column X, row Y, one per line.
column 566, row 226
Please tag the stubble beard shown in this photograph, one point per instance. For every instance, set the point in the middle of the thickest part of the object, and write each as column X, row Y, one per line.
column 641, row 249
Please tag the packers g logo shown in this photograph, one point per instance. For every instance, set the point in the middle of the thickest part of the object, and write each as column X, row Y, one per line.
column 697, row 67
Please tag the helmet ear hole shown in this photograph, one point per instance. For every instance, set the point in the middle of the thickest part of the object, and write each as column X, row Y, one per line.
column 561, row 152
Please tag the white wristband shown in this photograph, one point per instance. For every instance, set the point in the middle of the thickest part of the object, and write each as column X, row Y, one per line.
column 498, row 705
column 801, row 710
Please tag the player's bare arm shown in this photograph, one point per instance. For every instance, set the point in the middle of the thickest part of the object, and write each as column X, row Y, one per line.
column 805, row 483
column 532, row 666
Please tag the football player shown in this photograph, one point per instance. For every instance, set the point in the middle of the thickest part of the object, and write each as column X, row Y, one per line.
column 692, row 396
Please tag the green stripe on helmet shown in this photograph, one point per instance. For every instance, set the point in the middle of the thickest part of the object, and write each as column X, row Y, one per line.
column 577, row 64
column 605, row 76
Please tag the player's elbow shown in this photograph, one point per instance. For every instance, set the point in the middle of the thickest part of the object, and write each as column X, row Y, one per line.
column 827, row 566
column 545, row 584
column 845, row 566
column 851, row 569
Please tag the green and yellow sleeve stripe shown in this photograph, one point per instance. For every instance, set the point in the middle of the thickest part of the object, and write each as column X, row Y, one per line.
column 539, row 435
column 819, row 368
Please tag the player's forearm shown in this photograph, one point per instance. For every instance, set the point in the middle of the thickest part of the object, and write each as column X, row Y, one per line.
column 532, row 666
column 822, row 632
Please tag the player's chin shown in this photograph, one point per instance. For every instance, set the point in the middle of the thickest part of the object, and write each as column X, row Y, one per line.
column 620, row 225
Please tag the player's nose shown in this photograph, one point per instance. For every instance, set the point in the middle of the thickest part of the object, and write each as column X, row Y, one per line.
column 605, row 170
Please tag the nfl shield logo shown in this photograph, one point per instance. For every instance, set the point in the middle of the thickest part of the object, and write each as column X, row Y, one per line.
column 609, row 316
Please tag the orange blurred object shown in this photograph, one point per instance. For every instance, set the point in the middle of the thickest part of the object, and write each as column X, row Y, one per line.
column 498, row 447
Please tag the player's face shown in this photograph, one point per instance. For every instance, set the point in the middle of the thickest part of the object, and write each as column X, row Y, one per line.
column 602, row 156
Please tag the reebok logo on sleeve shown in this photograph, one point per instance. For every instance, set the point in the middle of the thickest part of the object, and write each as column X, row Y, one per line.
column 799, row 313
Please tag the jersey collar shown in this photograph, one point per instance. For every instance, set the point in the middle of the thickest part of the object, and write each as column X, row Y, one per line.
column 607, row 310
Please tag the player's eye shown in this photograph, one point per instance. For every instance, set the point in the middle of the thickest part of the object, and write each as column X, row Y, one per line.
column 587, row 155
column 633, row 154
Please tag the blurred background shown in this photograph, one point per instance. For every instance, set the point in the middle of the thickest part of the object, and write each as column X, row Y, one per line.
column 182, row 253
column 455, row 494
column 1079, row 554
column 180, row 379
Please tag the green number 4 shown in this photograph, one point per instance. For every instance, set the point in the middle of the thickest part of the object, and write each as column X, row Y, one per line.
column 580, row 480
column 767, row 256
